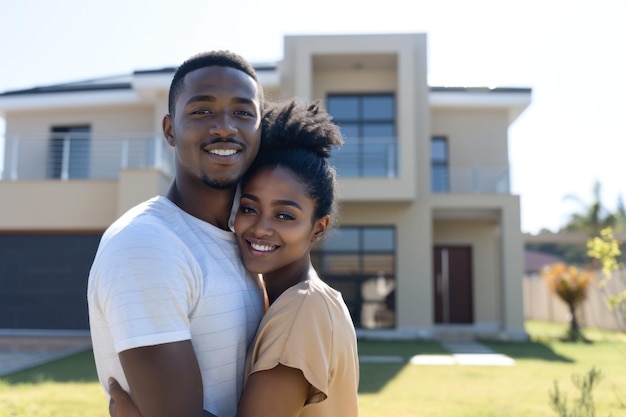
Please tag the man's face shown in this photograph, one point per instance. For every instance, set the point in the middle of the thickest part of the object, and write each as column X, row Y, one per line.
column 216, row 126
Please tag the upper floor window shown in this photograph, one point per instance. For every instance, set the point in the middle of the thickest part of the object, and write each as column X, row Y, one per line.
column 69, row 152
column 368, row 124
column 439, row 166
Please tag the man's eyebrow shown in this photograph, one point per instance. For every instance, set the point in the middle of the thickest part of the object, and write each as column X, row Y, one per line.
column 201, row 98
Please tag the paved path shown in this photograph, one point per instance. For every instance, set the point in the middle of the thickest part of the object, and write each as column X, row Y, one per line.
column 461, row 353
column 21, row 350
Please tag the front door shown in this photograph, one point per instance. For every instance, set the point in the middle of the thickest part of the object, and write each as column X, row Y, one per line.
column 453, row 285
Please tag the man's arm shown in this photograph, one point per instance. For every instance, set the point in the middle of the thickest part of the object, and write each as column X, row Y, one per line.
column 164, row 379
column 121, row 405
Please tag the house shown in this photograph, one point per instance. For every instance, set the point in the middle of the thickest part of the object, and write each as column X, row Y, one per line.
column 429, row 242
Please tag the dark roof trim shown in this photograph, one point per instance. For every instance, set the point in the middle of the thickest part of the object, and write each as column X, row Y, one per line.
column 171, row 70
column 68, row 88
column 480, row 90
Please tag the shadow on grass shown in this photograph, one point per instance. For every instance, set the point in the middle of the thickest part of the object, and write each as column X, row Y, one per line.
column 76, row 368
column 374, row 376
column 527, row 350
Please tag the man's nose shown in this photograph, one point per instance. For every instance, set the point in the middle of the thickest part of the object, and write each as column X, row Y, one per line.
column 223, row 126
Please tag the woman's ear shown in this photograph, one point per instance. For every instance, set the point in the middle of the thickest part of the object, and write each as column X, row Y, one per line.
column 320, row 227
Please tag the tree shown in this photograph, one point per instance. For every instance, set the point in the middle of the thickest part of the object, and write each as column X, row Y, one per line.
column 605, row 249
column 570, row 284
column 595, row 216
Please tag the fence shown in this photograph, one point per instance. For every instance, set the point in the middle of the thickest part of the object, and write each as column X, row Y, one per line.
column 541, row 304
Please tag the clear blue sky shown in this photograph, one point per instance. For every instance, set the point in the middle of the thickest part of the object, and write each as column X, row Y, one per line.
column 571, row 53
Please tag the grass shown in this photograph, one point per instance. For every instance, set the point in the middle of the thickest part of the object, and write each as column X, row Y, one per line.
column 69, row 387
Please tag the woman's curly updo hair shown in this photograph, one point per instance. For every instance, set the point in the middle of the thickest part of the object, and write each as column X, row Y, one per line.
column 300, row 137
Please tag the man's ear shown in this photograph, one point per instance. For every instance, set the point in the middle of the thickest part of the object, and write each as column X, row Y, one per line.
column 168, row 129
column 320, row 227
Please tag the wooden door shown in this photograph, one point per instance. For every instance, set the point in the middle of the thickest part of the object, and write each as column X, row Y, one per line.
column 453, row 285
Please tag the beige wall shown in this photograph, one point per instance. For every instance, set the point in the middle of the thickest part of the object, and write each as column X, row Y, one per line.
column 57, row 205
column 354, row 81
column 76, row 204
column 102, row 119
column 475, row 136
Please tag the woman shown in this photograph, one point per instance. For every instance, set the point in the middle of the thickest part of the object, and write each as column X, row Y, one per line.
column 303, row 360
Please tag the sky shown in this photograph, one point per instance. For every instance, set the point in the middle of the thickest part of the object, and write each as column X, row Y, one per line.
column 572, row 54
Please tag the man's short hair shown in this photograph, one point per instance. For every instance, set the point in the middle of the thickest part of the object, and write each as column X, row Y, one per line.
column 208, row 59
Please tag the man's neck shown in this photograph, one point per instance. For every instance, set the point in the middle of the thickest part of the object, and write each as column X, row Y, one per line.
column 208, row 204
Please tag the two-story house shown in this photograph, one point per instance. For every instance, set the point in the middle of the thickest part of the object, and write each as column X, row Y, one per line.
column 429, row 241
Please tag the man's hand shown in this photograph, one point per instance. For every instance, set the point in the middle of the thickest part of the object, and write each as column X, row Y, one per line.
column 120, row 404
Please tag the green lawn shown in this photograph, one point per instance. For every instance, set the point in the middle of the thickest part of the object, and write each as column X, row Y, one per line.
column 69, row 388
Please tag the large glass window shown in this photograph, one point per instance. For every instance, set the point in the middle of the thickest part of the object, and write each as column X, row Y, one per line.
column 367, row 122
column 439, row 175
column 360, row 263
column 69, row 152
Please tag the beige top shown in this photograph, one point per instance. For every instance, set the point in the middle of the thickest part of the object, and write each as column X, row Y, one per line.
column 309, row 328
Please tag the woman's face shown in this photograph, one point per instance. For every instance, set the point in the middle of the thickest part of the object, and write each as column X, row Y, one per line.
column 274, row 224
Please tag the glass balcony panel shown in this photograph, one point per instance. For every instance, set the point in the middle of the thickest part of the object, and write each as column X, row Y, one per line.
column 39, row 156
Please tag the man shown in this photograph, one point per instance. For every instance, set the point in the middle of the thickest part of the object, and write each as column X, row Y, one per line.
column 171, row 307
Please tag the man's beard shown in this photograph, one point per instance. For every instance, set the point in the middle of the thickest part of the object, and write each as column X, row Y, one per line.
column 220, row 184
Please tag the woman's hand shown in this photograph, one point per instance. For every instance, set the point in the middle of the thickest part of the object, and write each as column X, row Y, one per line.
column 120, row 404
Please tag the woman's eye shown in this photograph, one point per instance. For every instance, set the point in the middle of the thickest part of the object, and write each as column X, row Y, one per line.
column 285, row 216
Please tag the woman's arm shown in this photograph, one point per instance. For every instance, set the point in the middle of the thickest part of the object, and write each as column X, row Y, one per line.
column 277, row 392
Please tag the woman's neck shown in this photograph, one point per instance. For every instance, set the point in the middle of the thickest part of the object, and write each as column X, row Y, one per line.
column 279, row 281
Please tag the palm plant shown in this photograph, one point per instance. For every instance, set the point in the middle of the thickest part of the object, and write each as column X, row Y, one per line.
column 593, row 217
column 570, row 284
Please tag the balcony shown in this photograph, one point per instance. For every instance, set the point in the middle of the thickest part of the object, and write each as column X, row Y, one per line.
column 459, row 180
column 87, row 155
column 367, row 158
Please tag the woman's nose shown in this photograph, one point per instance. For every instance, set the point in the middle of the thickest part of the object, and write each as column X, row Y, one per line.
column 262, row 227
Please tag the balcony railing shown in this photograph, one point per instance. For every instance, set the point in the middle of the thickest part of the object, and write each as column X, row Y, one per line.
column 470, row 180
column 367, row 157
column 87, row 155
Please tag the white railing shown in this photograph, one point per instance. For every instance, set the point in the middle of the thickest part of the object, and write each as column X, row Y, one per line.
column 367, row 157
column 474, row 179
column 90, row 155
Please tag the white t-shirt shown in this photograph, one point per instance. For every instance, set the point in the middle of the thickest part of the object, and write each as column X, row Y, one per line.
column 161, row 275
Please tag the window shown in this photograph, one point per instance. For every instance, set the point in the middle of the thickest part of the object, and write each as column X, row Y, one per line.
column 367, row 122
column 69, row 152
column 360, row 263
column 439, row 174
